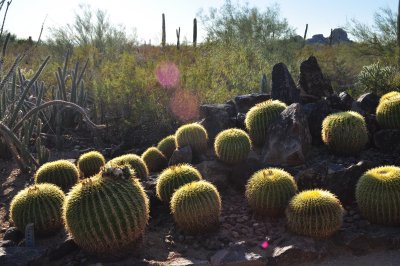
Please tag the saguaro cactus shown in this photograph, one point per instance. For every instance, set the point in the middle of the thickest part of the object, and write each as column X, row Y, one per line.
column 194, row 32
column 178, row 36
column 163, row 31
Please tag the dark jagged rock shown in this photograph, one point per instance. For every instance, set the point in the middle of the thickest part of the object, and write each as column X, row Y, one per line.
column 236, row 255
column 216, row 118
column 334, row 177
column 372, row 125
column 283, row 86
column 368, row 102
column 65, row 248
column 240, row 120
column 245, row 102
column 318, row 39
column 13, row 234
column 339, row 35
column 288, row 139
column 215, row 172
column 334, row 102
column 312, row 81
column 387, row 140
column 346, row 101
column 316, row 113
column 181, row 155
column 21, row 255
column 242, row 172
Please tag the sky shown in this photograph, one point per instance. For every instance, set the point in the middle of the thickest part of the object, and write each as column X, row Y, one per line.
column 25, row 17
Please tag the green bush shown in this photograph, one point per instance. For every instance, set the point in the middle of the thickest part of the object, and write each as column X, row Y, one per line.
column 61, row 173
column 232, row 145
column 90, row 163
column 376, row 78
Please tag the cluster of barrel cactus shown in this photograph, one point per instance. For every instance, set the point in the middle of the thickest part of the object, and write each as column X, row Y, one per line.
column 90, row 163
column 154, row 159
column 135, row 161
column 232, row 145
column 62, row 173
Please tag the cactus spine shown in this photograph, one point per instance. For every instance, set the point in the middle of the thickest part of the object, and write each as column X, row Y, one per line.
column 90, row 163
column 61, row 173
column 260, row 117
column 154, row 159
column 135, row 162
column 269, row 191
column 108, row 212
column 345, row 132
column 388, row 112
column 232, row 145
column 315, row 213
column 196, row 207
column 194, row 135
column 378, row 195
column 167, row 146
column 173, row 178
column 39, row 204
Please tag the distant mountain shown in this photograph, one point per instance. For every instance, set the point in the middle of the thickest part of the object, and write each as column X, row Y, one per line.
column 339, row 35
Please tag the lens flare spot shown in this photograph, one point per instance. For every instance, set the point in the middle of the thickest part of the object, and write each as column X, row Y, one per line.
column 264, row 244
column 184, row 105
column 167, row 74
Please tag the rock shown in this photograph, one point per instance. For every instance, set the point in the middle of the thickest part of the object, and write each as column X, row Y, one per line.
column 217, row 117
column 243, row 171
column 318, row 39
column 368, row 102
column 339, row 35
column 334, row 102
column 245, row 102
column 346, row 101
column 236, row 255
column 240, row 120
column 187, row 261
column 288, row 139
column 65, row 248
column 283, row 86
column 154, row 202
column 336, row 178
column 356, row 107
column 316, row 113
column 181, row 155
column 21, row 255
column 372, row 124
column 13, row 234
column 215, row 172
column 312, row 81
column 7, row 243
column 387, row 140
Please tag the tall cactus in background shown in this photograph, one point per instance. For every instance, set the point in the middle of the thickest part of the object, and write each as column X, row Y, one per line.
column 163, row 40
column 264, row 84
column 194, row 32
column 178, row 36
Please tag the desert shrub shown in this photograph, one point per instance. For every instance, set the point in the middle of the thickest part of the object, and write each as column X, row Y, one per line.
column 376, row 78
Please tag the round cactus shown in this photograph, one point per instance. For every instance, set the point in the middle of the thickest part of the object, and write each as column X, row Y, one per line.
column 269, row 191
column 154, row 159
column 61, row 173
column 315, row 213
column 260, row 117
column 388, row 112
column 232, row 146
column 194, row 135
column 389, row 95
column 90, row 163
column 40, row 204
column 378, row 195
column 135, row 162
column 167, row 146
column 108, row 212
column 173, row 178
column 345, row 132
column 196, row 207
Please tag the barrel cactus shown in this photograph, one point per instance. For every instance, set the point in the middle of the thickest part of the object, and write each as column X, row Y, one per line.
column 90, row 163
column 194, row 135
column 173, row 178
column 345, row 132
column 62, row 173
column 389, row 95
column 260, row 117
column 378, row 195
column 167, row 146
column 40, row 204
column 269, row 191
column 154, row 159
column 388, row 112
column 107, row 213
column 196, row 207
column 135, row 161
column 232, row 146
column 315, row 213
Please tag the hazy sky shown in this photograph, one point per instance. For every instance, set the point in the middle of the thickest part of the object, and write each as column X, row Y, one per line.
column 25, row 17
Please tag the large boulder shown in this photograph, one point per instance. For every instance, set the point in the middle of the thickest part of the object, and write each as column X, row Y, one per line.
column 215, row 172
column 346, row 101
column 312, row 81
column 368, row 102
column 217, row 117
column 181, row 155
column 316, row 113
column 387, row 140
column 283, row 86
column 245, row 102
column 288, row 139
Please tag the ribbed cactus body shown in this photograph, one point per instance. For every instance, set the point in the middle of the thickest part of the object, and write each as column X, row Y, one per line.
column 61, row 173
column 378, row 195
column 196, row 207
column 260, row 117
column 345, row 132
column 269, row 191
column 90, row 163
column 154, row 159
column 232, row 145
column 388, row 112
column 194, row 135
column 108, row 212
column 40, row 204
column 389, row 95
column 135, row 161
column 173, row 178
column 167, row 146
column 315, row 213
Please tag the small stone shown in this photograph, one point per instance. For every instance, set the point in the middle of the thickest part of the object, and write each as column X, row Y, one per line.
column 12, row 233
column 235, row 234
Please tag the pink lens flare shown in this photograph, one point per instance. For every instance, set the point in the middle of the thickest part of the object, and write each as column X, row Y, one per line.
column 264, row 244
column 167, row 74
column 184, row 105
